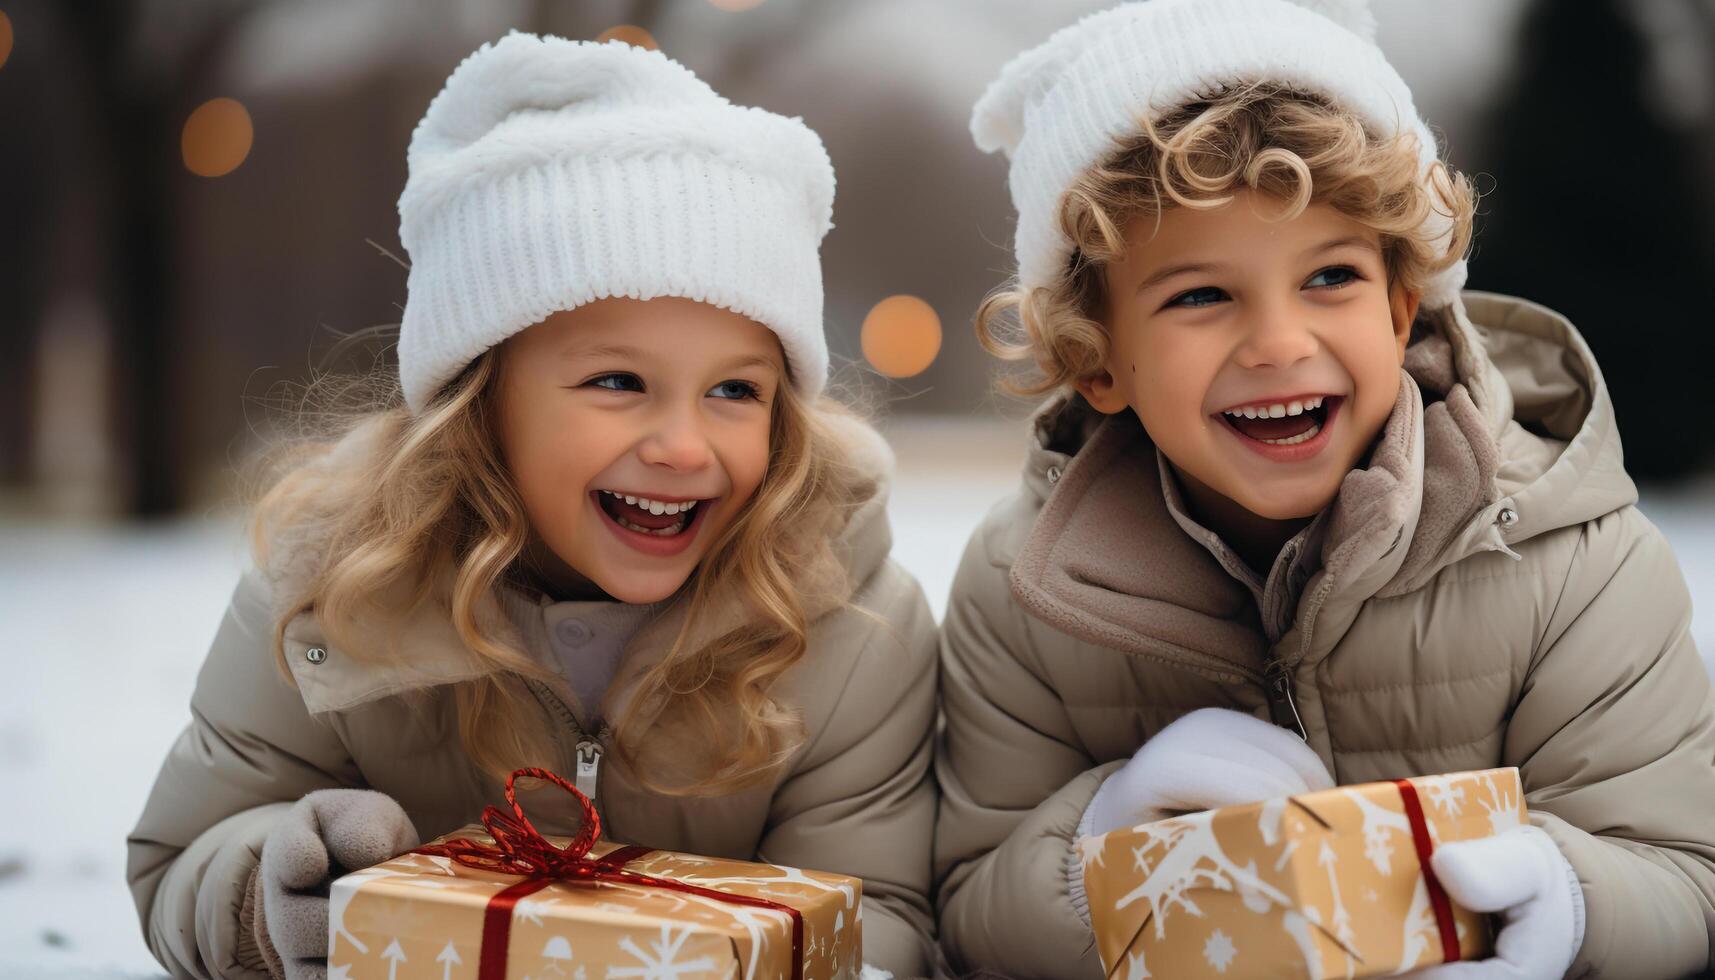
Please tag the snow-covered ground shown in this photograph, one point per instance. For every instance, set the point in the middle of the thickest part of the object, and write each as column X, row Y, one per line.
column 106, row 627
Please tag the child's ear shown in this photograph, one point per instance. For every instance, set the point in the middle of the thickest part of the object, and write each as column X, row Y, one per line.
column 1402, row 303
column 1102, row 392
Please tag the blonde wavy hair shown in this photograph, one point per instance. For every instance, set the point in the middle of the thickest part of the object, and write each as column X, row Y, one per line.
column 393, row 501
column 1292, row 147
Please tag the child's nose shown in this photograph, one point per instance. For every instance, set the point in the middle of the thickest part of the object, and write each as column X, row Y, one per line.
column 677, row 442
column 1276, row 338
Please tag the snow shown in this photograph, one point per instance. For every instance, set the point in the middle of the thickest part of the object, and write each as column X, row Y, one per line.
column 107, row 625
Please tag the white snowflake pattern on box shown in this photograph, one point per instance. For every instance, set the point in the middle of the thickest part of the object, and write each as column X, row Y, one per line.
column 419, row 917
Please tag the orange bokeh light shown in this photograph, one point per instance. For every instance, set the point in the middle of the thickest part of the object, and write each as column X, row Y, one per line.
column 631, row 34
column 901, row 336
column 216, row 138
column 5, row 38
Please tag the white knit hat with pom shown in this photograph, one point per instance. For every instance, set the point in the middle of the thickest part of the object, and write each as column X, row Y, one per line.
column 550, row 173
column 1060, row 108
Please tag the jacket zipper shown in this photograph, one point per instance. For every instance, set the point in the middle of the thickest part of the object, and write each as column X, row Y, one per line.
column 588, row 766
column 587, row 751
column 1282, row 707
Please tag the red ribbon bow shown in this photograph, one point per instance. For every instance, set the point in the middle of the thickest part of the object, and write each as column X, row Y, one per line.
column 520, row 849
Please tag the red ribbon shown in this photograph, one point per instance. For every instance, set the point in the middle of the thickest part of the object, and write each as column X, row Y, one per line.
column 519, row 849
column 1438, row 899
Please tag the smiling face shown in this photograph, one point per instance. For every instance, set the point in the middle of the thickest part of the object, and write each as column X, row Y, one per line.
column 635, row 432
column 1262, row 356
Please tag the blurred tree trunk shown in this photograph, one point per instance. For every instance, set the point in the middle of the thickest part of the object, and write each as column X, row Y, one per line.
column 25, row 199
column 140, row 112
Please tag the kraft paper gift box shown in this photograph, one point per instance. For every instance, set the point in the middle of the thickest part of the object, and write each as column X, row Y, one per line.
column 590, row 910
column 1325, row 884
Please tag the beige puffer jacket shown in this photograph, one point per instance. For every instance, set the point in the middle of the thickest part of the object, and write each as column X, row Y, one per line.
column 857, row 798
column 1489, row 596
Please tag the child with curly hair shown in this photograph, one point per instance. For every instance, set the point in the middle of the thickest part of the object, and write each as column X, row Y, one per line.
column 1300, row 512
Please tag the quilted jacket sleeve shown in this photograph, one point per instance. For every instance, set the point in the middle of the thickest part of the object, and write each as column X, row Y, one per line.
column 1615, row 735
column 861, row 800
column 250, row 751
column 1014, row 784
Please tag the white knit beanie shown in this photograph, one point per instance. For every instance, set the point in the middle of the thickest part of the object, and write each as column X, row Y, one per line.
column 1060, row 108
column 550, row 173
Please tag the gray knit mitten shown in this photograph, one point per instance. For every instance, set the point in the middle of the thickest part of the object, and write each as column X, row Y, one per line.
column 328, row 833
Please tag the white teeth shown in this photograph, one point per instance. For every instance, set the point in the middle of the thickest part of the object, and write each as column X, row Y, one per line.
column 665, row 532
column 1277, row 410
column 1304, row 436
column 654, row 506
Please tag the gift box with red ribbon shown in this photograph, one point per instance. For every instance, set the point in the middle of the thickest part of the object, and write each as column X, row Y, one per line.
column 502, row 901
column 1336, row 883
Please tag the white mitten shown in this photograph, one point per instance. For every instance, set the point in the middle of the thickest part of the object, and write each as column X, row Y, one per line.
column 1521, row 874
column 1210, row 758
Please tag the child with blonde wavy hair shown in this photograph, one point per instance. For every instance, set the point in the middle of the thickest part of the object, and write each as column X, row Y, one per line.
column 1299, row 512
column 606, row 523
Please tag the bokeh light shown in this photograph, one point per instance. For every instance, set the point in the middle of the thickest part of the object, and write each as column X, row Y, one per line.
column 901, row 336
column 631, row 34
column 217, row 137
column 736, row 5
column 5, row 38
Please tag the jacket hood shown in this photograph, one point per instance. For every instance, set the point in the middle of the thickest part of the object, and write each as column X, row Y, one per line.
column 1545, row 402
column 411, row 643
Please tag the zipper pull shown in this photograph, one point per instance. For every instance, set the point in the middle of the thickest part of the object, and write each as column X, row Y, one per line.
column 588, row 766
column 1281, row 703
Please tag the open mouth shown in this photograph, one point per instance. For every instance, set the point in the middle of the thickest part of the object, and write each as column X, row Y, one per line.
column 646, row 515
column 1284, row 424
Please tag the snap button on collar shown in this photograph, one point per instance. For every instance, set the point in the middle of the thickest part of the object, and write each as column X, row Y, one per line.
column 315, row 655
column 572, row 633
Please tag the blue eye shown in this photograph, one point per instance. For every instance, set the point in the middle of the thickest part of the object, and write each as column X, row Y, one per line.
column 736, row 391
column 617, row 382
column 1343, row 275
column 1201, row 296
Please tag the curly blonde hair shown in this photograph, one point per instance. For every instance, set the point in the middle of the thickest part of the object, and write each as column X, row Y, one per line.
column 394, row 500
column 1293, row 147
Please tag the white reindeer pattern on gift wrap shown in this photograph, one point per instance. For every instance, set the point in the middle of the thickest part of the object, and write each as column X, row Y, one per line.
column 1189, row 857
column 1324, row 885
column 1384, row 830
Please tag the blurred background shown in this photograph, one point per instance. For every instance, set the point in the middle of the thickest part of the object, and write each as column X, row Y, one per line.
column 197, row 203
